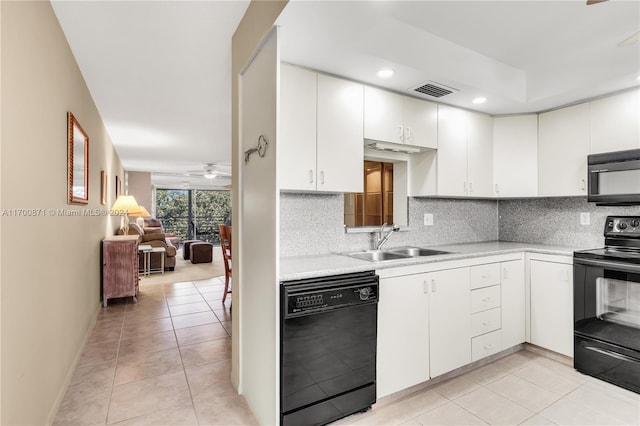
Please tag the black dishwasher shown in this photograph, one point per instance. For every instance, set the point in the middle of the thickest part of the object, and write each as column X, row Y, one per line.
column 328, row 331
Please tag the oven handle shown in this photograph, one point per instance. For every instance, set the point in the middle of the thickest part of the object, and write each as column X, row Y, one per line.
column 612, row 354
column 619, row 266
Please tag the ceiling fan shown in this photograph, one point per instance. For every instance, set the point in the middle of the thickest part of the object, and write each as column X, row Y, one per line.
column 211, row 171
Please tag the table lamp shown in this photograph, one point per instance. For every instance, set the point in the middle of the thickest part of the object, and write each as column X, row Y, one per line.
column 140, row 214
column 125, row 204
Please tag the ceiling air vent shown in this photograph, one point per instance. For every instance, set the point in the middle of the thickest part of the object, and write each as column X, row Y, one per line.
column 435, row 90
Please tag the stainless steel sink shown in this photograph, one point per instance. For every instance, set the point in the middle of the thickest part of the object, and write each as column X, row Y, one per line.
column 395, row 254
column 417, row 252
column 377, row 255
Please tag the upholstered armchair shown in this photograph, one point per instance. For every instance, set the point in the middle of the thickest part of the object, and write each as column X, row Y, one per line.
column 156, row 239
column 153, row 226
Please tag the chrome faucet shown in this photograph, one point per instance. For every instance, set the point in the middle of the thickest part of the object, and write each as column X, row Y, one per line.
column 382, row 238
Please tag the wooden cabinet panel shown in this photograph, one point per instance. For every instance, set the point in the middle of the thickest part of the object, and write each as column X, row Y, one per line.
column 120, row 267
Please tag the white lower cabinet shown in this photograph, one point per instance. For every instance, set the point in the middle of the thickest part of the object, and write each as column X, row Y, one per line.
column 403, row 334
column 552, row 306
column 513, row 303
column 449, row 320
column 433, row 322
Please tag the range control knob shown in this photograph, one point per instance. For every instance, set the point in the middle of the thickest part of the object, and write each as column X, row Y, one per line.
column 622, row 226
column 365, row 293
column 635, row 223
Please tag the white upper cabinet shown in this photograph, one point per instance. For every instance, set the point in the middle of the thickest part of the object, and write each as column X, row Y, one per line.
column 563, row 146
column 420, row 122
column 615, row 123
column 320, row 135
column 383, row 115
column 297, row 133
column 340, row 148
column 390, row 117
column 480, row 156
column 465, row 153
column 452, row 151
column 515, row 156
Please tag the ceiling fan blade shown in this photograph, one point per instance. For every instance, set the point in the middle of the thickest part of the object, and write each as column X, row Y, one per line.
column 590, row 2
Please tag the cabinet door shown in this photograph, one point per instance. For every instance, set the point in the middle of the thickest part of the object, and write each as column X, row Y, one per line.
column 340, row 148
column 403, row 334
column 297, row 133
column 382, row 115
column 515, row 156
column 563, row 149
column 480, row 155
column 615, row 123
column 452, row 151
column 552, row 306
column 513, row 303
column 420, row 122
column 449, row 320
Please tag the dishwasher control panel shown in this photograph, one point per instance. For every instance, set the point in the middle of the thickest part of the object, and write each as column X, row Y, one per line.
column 301, row 298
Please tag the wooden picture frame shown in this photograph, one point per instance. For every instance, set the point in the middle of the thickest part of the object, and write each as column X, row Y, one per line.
column 103, row 187
column 118, row 187
column 77, row 162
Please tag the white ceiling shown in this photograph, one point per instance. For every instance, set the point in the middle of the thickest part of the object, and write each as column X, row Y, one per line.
column 160, row 72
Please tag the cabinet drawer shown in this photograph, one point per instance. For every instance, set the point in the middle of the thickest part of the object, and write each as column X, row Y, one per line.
column 486, row 321
column 485, row 275
column 485, row 298
column 486, row 345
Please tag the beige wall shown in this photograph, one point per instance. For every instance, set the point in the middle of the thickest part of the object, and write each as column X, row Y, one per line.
column 51, row 264
column 139, row 185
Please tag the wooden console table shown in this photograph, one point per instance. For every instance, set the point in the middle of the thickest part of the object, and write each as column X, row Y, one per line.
column 119, row 267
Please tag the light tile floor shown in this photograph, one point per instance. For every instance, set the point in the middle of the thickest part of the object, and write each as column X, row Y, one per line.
column 166, row 361
column 521, row 389
column 163, row 361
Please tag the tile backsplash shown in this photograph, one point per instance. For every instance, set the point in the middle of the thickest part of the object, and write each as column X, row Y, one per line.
column 313, row 223
column 555, row 221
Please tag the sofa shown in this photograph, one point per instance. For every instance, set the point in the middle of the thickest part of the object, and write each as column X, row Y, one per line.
column 155, row 239
column 153, row 226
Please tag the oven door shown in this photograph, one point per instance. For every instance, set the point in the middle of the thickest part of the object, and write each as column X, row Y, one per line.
column 607, row 320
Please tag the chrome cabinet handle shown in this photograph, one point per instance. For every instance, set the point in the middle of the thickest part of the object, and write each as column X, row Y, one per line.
column 321, row 177
column 425, row 287
column 497, row 189
column 470, row 186
column 505, row 273
column 310, row 175
column 582, row 184
column 433, row 286
column 407, row 134
column 489, row 346
column 465, row 186
column 401, row 133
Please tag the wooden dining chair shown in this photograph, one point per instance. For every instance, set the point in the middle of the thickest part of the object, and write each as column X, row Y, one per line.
column 225, row 245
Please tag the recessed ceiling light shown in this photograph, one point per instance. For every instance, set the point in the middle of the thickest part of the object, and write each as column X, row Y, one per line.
column 385, row 73
column 479, row 100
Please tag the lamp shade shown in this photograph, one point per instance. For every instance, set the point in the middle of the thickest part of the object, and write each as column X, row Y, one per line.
column 125, row 204
column 139, row 212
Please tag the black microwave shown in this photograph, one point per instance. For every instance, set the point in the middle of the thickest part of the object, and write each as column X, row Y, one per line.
column 614, row 178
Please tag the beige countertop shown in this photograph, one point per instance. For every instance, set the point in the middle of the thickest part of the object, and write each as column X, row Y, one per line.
column 300, row 267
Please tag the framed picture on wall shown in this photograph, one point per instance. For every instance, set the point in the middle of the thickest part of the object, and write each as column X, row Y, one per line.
column 118, row 187
column 103, row 188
